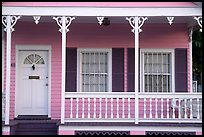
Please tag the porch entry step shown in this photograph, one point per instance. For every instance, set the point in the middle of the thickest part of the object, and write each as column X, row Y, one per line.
column 32, row 117
column 34, row 127
column 36, row 132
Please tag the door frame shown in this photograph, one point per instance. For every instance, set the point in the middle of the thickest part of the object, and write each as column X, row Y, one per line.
column 31, row 47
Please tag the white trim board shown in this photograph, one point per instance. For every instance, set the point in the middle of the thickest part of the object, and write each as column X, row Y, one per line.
column 34, row 47
column 129, row 128
column 93, row 11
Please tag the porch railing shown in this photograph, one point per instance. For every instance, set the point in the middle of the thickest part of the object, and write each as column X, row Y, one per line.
column 3, row 105
column 178, row 107
column 121, row 107
column 99, row 107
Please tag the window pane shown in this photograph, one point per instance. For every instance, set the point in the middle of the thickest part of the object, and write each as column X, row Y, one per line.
column 157, row 72
column 94, row 71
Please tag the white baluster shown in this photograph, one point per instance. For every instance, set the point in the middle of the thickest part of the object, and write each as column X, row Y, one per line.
column 156, row 114
column 179, row 108
column 71, row 100
column 94, row 108
column 167, row 106
column 128, row 107
column 191, row 108
column 106, row 111
column 162, row 109
column 111, row 107
column 150, row 111
column 89, row 108
column 123, row 115
column 145, row 113
column 185, row 109
column 77, row 109
column 100, row 111
column 174, row 100
column 117, row 107
column 198, row 111
column 82, row 107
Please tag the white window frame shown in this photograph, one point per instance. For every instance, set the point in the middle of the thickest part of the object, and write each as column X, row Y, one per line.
column 109, row 50
column 142, row 83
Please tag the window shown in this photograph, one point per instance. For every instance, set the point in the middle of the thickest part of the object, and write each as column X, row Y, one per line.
column 94, row 70
column 156, row 70
column 34, row 58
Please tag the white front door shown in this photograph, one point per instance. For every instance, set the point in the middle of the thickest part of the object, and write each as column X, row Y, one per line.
column 32, row 96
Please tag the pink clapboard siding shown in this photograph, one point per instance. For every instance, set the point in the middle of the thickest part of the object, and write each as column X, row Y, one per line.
column 120, row 36
column 88, row 36
column 103, row 4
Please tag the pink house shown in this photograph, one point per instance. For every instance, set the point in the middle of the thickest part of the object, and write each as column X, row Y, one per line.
column 75, row 68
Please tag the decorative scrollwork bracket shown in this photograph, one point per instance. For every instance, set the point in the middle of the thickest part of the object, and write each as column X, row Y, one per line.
column 170, row 20
column 141, row 21
column 100, row 20
column 13, row 20
column 36, row 18
column 68, row 21
column 199, row 20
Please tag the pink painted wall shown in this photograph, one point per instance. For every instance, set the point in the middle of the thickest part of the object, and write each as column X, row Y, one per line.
column 120, row 35
column 199, row 133
column 164, row 36
column 88, row 36
column 66, row 132
column 103, row 4
column 137, row 132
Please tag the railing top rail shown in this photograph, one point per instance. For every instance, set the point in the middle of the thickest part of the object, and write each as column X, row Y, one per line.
column 170, row 95
column 130, row 95
column 100, row 94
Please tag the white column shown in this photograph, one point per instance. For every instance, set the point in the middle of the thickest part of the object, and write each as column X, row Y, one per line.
column 136, row 23
column 136, row 69
column 63, row 22
column 191, row 59
column 8, row 68
column 8, row 22
column 63, row 70
column 2, row 63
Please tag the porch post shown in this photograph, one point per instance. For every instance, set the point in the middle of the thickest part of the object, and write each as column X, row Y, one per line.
column 64, row 23
column 136, row 23
column 136, row 69
column 191, row 59
column 8, row 22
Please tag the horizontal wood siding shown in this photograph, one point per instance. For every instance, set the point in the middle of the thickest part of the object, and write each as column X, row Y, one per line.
column 12, row 82
column 164, row 36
